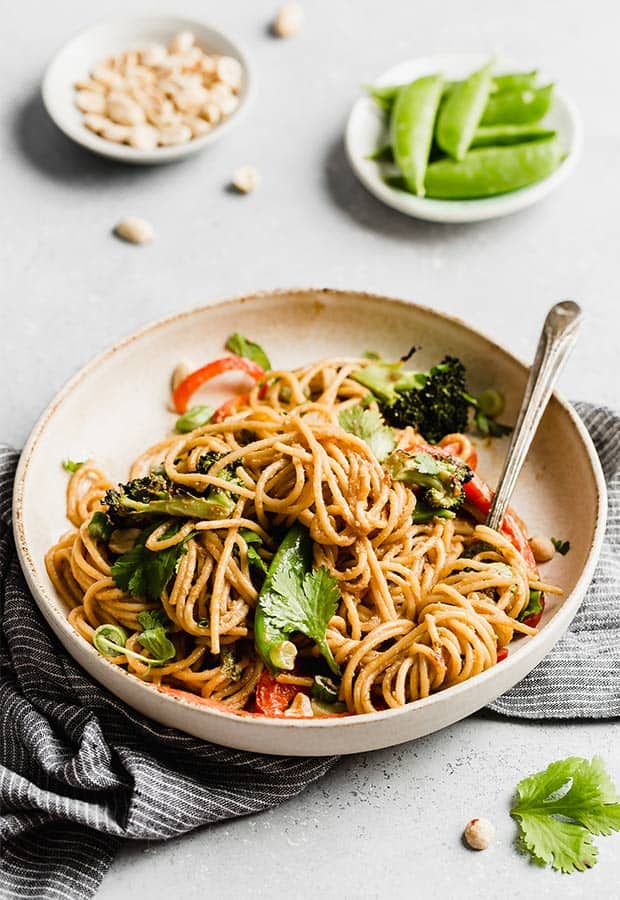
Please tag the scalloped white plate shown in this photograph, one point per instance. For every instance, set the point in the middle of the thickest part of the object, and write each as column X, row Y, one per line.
column 95, row 415
column 366, row 130
column 75, row 59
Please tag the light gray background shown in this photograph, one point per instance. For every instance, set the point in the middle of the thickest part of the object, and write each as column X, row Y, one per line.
column 383, row 824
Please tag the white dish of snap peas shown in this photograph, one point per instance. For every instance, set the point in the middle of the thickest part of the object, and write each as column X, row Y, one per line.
column 462, row 138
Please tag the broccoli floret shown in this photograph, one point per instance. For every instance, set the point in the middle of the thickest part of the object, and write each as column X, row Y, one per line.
column 436, row 402
column 140, row 501
column 436, row 480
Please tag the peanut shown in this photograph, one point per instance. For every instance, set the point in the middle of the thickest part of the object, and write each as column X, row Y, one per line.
column 288, row 20
column 134, row 230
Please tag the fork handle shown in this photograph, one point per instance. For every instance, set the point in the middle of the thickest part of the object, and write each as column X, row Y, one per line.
column 555, row 343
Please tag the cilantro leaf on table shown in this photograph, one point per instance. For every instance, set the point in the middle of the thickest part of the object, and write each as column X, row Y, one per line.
column 243, row 346
column 145, row 573
column 304, row 603
column 561, row 809
column 369, row 425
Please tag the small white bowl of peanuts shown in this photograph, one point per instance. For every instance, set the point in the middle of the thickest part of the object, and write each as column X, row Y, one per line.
column 147, row 89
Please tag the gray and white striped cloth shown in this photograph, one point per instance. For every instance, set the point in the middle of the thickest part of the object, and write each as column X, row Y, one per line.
column 81, row 771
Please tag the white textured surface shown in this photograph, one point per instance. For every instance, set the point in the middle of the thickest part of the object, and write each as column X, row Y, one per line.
column 388, row 823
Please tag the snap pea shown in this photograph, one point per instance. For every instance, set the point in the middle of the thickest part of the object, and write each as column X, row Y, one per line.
column 493, row 170
column 384, row 96
column 461, row 112
column 514, row 81
column 494, row 135
column 520, row 107
column 411, row 128
column 384, row 153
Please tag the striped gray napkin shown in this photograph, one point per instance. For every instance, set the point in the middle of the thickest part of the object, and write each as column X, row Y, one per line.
column 81, row 771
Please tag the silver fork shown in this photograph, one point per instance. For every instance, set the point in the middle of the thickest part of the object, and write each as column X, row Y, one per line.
column 557, row 338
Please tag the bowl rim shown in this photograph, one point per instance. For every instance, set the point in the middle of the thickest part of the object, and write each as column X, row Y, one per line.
column 42, row 594
column 459, row 211
column 123, row 152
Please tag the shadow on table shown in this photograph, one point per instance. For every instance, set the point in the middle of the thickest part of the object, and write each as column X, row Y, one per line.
column 47, row 149
column 351, row 196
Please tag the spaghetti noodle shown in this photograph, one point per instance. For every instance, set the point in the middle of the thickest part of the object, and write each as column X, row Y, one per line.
column 420, row 606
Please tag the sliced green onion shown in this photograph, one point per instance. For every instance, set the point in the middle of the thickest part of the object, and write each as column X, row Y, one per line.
column 110, row 639
column 491, row 403
column 324, row 689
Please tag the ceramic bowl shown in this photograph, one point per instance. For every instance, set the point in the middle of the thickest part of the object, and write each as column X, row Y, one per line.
column 96, row 416
column 366, row 130
column 77, row 57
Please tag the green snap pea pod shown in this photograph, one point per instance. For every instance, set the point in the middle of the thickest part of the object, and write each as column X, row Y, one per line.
column 461, row 112
column 273, row 646
column 382, row 154
column 411, row 128
column 384, row 97
column 493, row 170
column 514, row 81
column 497, row 135
column 518, row 107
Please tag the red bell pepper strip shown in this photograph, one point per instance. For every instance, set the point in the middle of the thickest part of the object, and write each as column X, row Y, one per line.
column 230, row 406
column 273, row 698
column 185, row 390
column 535, row 618
column 479, row 496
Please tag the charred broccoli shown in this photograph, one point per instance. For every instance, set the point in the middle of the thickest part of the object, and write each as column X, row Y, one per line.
column 437, row 480
column 141, row 500
column 436, row 402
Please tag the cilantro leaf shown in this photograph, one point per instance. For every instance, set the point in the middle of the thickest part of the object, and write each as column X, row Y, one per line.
column 145, row 573
column 254, row 558
column 242, row 346
column 69, row 465
column 578, row 791
column 153, row 638
column 369, row 425
column 562, row 547
column 99, row 526
column 304, row 603
column 534, row 605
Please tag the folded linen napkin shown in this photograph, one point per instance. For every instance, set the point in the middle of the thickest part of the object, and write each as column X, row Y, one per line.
column 81, row 771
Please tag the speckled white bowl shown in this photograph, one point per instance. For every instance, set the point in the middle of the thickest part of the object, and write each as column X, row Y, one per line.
column 366, row 130
column 95, row 415
column 73, row 62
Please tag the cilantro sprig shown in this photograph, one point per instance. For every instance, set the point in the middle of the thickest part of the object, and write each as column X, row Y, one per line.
column 145, row 573
column 560, row 810
column 562, row 547
column 306, row 605
column 243, row 346
column 369, row 425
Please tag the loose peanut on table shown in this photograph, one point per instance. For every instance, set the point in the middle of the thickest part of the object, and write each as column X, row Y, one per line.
column 156, row 96
column 135, row 230
column 479, row 834
column 288, row 20
column 245, row 179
